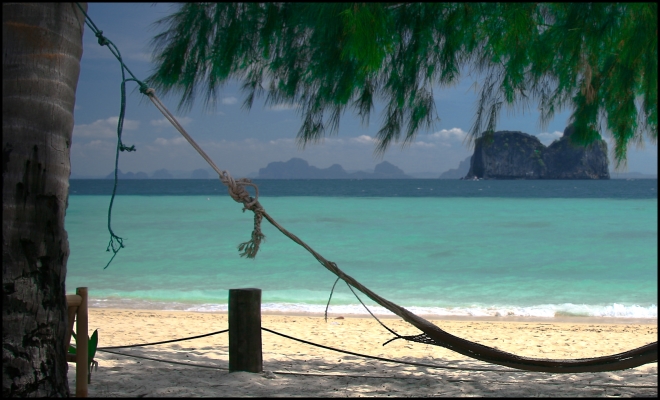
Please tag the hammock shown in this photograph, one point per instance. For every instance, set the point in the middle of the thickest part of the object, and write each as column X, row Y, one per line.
column 431, row 333
column 435, row 336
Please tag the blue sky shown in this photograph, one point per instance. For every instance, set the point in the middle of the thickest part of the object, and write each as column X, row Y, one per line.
column 241, row 141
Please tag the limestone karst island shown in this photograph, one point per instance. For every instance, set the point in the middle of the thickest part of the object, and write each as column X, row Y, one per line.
column 517, row 155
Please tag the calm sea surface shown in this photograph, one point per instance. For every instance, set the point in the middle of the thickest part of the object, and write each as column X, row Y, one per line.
column 439, row 247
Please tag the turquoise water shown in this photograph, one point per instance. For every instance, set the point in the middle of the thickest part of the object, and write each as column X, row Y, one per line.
column 540, row 257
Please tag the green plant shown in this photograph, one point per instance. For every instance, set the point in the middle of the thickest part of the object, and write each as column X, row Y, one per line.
column 92, row 344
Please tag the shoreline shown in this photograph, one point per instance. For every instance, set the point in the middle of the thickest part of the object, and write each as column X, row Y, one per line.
column 431, row 317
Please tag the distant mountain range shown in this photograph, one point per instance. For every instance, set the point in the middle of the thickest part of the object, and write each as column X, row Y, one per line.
column 160, row 174
column 297, row 168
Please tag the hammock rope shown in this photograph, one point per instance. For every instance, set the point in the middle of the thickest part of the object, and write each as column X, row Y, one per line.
column 431, row 333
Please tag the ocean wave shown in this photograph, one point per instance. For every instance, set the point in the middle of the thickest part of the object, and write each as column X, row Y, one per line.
column 539, row 311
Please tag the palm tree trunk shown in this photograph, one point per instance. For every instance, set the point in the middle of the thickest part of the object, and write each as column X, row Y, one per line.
column 41, row 51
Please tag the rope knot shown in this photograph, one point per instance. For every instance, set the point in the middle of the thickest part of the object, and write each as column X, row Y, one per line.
column 103, row 41
column 237, row 191
column 144, row 89
column 123, row 147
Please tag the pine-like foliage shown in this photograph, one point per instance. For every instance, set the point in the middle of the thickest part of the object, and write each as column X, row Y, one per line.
column 598, row 59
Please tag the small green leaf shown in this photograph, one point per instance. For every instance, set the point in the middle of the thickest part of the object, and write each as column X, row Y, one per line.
column 91, row 346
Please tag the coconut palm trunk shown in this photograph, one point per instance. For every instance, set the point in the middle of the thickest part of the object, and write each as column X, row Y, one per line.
column 41, row 51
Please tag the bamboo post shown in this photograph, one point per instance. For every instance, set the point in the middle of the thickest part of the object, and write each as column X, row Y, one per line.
column 82, row 344
column 245, row 330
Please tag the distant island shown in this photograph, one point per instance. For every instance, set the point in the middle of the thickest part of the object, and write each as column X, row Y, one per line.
column 160, row 174
column 518, row 155
column 458, row 173
column 464, row 167
column 297, row 168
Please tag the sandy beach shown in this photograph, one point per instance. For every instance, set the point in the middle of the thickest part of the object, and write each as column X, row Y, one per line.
column 296, row 369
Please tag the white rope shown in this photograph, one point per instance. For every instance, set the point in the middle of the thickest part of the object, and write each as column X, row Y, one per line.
column 236, row 188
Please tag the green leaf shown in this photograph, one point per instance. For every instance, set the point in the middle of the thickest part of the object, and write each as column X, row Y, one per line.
column 91, row 346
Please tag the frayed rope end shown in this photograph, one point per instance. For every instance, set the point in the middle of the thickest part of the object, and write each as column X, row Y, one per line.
column 250, row 249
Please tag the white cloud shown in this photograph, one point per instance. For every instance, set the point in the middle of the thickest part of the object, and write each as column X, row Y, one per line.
column 363, row 139
column 229, row 100
column 283, row 107
column 422, row 144
column 332, row 141
column 95, row 158
column 174, row 141
column 280, row 141
column 454, row 134
column 102, row 145
column 548, row 137
column 103, row 128
column 164, row 122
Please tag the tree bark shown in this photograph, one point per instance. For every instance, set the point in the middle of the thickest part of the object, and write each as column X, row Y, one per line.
column 41, row 52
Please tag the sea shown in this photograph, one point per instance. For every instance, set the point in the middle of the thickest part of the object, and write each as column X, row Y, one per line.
column 440, row 248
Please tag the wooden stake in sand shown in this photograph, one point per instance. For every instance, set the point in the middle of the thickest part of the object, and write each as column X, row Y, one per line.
column 245, row 330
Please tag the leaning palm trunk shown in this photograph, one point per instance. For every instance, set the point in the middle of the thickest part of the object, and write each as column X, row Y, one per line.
column 41, row 51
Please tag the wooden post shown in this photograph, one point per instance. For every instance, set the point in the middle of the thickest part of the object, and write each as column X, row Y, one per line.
column 82, row 344
column 245, row 330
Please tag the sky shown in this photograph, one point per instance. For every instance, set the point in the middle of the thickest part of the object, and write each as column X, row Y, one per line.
column 242, row 141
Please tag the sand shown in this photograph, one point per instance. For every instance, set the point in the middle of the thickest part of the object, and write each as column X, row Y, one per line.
column 295, row 369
